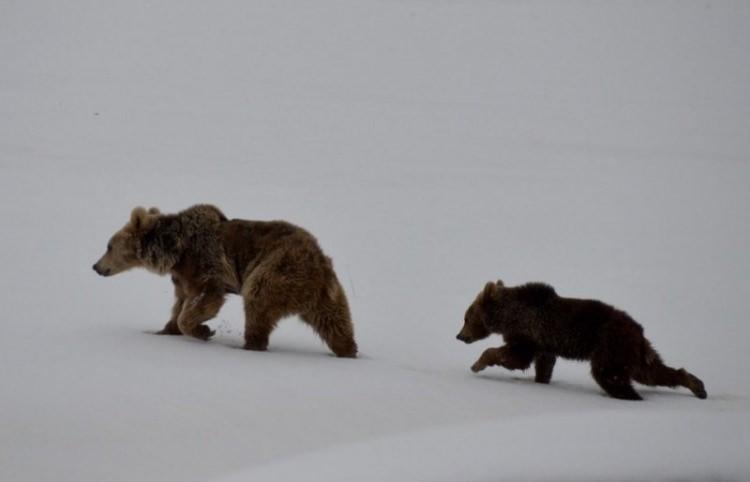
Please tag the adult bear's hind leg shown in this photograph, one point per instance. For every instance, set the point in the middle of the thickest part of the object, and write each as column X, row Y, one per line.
column 332, row 322
column 260, row 321
column 268, row 296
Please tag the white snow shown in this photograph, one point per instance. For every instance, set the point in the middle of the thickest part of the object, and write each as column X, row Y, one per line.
column 431, row 146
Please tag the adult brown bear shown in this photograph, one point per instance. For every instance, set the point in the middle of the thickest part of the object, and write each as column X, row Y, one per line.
column 277, row 267
column 538, row 325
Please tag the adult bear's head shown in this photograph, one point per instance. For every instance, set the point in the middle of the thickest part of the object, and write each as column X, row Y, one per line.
column 126, row 248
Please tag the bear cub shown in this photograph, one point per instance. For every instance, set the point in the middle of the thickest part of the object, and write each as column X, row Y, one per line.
column 539, row 326
column 277, row 267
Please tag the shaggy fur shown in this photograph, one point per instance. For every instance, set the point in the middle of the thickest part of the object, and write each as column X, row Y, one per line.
column 278, row 269
column 538, row 325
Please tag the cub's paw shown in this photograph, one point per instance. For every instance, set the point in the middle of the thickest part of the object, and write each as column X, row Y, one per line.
column 489, row 357
column 542, row 379
column 696, row 386
column 478, row 366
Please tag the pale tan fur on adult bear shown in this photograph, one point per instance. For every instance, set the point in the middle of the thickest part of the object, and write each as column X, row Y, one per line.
column 277, row 267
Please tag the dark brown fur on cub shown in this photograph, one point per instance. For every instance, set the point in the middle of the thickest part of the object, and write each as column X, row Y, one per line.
column 538, row 325
column 277, row 267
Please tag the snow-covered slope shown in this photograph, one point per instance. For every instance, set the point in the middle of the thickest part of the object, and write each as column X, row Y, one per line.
column 431, row 146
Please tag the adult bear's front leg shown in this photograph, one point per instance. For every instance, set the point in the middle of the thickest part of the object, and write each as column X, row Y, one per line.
column 197, row 310
column 171, row 328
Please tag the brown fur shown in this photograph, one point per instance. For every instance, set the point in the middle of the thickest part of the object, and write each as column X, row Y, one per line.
column 277, row 267
column 538, row 325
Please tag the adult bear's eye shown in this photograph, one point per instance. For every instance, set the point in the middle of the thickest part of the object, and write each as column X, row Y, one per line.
column 109, row 247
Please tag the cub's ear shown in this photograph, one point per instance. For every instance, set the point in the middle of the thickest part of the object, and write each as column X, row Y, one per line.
column 490, row 289
column 500, row 283
column 141, row 219
column 154, row 210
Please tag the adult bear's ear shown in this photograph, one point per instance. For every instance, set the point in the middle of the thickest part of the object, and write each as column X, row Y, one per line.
column 154, row 210
column 500, row 283
column 141, row 219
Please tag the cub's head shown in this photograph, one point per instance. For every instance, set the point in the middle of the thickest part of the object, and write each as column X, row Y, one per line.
column 124, row 248
column 477, row 317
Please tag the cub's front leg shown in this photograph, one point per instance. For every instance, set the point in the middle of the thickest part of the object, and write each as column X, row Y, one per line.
column 544, row 363
column 512, row 357
column 489, row 357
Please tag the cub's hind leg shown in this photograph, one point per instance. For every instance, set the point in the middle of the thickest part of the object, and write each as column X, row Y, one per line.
column 615, row 358
column 611, row 371
column 615, row 382
column 652, row 371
